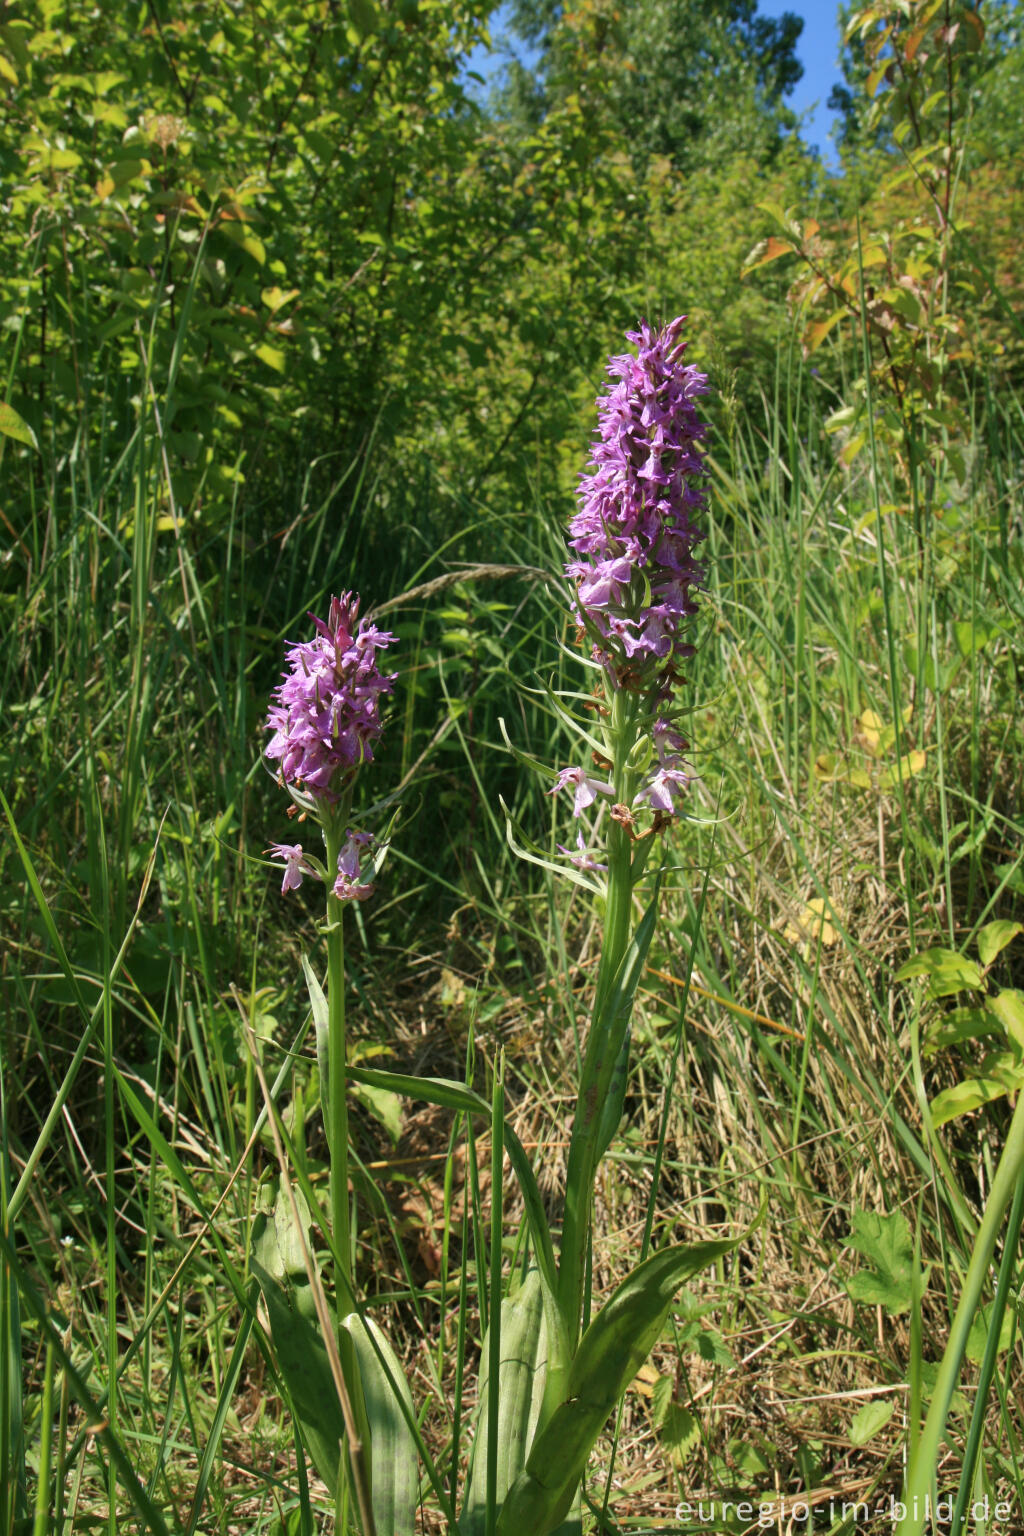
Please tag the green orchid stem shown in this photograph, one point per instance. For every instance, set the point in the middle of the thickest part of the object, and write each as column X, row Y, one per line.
column 597, row 1065
column 921, row 1472
column 337, row 1120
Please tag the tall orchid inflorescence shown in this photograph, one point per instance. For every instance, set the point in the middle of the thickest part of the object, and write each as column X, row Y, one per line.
column 325, row 719
column 636, row 577
column 637, row 582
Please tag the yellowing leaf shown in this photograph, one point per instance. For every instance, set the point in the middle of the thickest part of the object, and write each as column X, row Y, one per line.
column 907, row 767
column 816, row 332
column 870, row 728
column 276, row 298
column 272, row 356
column 812, row 926
column 8, row 71
column 853, row 447
column 765, row 251
column 104, row 187
column 12, row 425
column 828, row 768
column 1008, row 1007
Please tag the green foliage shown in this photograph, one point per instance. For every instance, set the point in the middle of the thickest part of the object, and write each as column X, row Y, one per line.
column 947, row 973
column 617, row 1342
column 523, row 1370
column 887, row 1280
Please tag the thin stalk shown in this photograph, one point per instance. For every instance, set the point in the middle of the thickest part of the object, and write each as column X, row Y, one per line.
column 988, row 1364
column 494, row 1332
column 337, row 1130
column 579, row 1182
column 922, row 1466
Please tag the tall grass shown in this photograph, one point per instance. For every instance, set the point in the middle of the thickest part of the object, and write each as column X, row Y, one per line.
column 147, row 941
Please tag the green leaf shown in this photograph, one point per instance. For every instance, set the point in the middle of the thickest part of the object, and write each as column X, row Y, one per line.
column 885, row 1241
column 959, row 1024
column 364, row 16
column 522, row 1374
column 965, row 1097
column 869, row 1419
column 994, row 937
column 947, row 971
column 305, row 1374
column 972, row 635
column 12, row 425
column 276, row 1242
column 678, row 1428
column 982, row 1326
column 383, row 1105
column 273, row 356
column 1008, row 1007
column 394, row 1461
column 611, row 1111
column 319, row 1009
column 615, row 1345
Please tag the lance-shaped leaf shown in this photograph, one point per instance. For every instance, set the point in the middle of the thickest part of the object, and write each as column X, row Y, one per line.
column 305, row 1373
column 393, row 1456
column 521, row 1376
column 611, row 1110
column 611, row 1351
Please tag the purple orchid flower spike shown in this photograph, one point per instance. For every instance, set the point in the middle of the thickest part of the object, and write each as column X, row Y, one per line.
column 636, row 576
column 325, row 716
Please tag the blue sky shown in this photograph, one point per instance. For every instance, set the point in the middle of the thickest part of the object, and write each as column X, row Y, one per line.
column 818, row 52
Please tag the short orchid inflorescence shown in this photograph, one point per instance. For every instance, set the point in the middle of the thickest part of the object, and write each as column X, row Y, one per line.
column 326, row 712
column 325, row 718
column 636, row 577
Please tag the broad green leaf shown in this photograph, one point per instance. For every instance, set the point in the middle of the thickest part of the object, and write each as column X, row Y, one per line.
column 364, row 16
column 306, row 1375
column 273, row 356
column 886, row 1243
column 522, row 1374
column 383, row 1105
column 981, row 1327
column 959, row 1024
column 615, row 1345
column 972, row 636
column 276, row 1242
column 319, row 1009
column 1008, row 1007
column 994, row 937
column 12, row 425
column 869, row 1419
column 678, row 1428
column 611, row 1112
column 947, row 971
column 394, row 1460
column 966, row 1097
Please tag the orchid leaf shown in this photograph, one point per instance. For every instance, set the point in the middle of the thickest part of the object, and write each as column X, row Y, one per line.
column 394, row 1472
column 522, row 1374
column 611, row 1351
